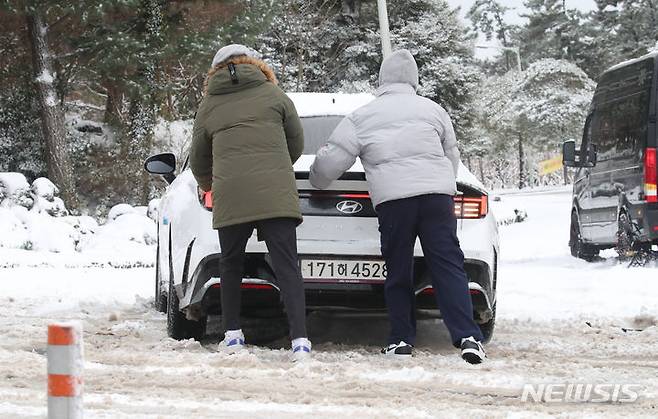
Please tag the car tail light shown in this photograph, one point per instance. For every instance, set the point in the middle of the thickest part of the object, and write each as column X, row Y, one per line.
column 206, row 200
column 248, row 286
column 650, row 175
column 471, row 207
column 354, row 196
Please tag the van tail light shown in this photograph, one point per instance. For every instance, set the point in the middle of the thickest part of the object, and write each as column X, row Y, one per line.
column 650, row 175
column 206, row 200
column 471, row 207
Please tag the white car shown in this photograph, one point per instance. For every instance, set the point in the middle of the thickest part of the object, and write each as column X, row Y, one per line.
column 338, row 242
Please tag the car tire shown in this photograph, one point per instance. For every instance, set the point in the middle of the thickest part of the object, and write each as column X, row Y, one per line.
column 487, row 328
column 178, row 326
column 159, row 297
column 579, row 249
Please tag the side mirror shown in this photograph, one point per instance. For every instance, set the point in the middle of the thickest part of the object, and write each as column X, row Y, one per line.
column 569, row 153
column 162, row 164
column 572, row 157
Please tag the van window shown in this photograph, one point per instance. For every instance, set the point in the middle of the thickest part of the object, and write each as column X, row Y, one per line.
column 621, row 126
column 619, row 123
column 587, row 138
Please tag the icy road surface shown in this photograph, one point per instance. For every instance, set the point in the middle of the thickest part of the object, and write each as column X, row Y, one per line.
column 545, row 299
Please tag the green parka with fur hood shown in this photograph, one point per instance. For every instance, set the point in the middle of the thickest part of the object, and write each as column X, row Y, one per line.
column 247, row 135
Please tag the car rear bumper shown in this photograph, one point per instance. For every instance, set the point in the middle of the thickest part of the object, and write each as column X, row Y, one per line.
column 260, row 294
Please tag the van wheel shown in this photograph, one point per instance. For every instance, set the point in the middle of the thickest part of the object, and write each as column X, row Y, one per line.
column 627, row 244
column 178, row 326
column 578, row 248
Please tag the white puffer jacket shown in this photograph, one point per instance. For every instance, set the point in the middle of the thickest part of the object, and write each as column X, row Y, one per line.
column 406, row 142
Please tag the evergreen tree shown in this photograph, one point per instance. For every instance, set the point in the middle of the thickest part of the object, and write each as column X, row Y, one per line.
column 625, row 29
column 488, row 18
column 530, row 114
column 555, row 31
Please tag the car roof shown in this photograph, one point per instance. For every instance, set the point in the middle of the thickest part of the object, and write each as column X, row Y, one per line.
column 328, row 104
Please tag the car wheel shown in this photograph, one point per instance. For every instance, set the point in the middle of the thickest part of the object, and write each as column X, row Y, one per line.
column 487, row 328
column 159, row 298
column 578, row 248
column 178, row 326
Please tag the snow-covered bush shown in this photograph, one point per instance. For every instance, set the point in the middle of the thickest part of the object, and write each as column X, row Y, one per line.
column 34, row 218
column 505, row 213
column 119, row 210
column 125, row 224
column 15, row 190
column 13, row 233
column 45, row 199
column 47, row 233
column 152, row 211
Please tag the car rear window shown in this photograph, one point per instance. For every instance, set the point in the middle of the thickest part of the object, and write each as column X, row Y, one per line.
column 317, row 130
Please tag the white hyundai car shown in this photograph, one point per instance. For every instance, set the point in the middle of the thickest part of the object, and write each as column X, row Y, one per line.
column 338, row 242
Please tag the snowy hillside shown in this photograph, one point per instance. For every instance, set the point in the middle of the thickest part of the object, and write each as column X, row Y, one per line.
column 545, row 301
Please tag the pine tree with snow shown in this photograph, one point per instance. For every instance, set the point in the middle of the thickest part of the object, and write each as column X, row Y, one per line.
column 488, row 17
column 530, row 114
column 625, row 29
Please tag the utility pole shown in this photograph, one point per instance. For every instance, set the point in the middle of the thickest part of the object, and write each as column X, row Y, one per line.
column 383, row 28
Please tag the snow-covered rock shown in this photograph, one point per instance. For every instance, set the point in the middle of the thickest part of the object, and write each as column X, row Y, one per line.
column 44, row 188
column 15, row 190
column 119, row 210
column 45, row 200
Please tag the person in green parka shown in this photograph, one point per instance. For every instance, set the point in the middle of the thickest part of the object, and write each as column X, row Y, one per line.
column 247, row 136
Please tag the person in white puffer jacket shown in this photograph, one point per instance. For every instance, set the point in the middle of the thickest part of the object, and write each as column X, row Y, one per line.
column 408, row 149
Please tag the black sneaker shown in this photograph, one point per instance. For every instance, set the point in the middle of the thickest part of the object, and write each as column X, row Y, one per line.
column 402, row 349
column 472, row 350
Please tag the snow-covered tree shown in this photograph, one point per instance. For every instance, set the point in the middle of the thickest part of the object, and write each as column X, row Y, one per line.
column 556, row 31
column 622, row 29
column 488, row 17
column 58, row 160
column 530, row 114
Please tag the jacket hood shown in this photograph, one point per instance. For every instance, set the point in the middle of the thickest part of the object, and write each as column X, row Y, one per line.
column 399, row 67
column 247, row 76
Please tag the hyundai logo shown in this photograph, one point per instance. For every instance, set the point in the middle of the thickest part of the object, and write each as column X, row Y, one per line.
column 349, row 207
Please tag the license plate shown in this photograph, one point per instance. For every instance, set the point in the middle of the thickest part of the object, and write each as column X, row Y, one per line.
column 343, row 270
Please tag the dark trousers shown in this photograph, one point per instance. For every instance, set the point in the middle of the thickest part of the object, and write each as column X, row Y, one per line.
column 280, row 236
column 432, row 219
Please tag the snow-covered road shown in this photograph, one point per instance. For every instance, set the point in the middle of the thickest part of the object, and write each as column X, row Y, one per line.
column 545, row 300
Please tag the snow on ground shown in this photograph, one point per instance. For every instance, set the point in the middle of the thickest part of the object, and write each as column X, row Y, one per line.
column 545, row 299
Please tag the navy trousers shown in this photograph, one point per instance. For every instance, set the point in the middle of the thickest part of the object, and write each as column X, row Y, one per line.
column 432, row 219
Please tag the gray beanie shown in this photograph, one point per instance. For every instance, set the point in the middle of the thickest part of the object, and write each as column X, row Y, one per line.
column 233, row 50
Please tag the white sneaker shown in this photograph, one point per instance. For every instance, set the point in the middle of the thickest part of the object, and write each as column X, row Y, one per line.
column 233, row 341
column 402, row 350
column 472, row 350
column 301, row 349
